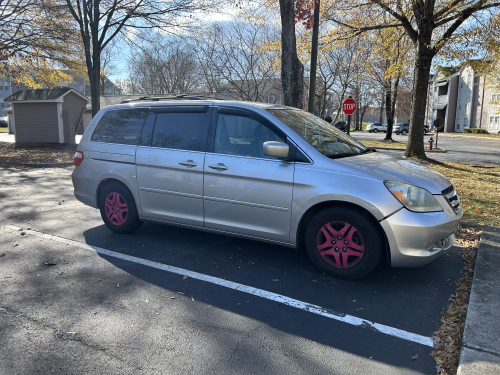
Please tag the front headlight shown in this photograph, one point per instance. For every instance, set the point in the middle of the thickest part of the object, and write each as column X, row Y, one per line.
column 413, row 198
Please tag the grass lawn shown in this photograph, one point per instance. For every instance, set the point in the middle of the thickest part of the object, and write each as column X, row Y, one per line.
column 4, row 130
column 36, row 153
column 382, row 144
column 495, row 136
column 478, row 186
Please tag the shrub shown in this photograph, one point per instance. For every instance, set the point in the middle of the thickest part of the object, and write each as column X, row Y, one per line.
column 475, row 131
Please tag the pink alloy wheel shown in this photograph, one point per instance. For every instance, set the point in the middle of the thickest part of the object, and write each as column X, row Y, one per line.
column 340, row 244
column 116, row 208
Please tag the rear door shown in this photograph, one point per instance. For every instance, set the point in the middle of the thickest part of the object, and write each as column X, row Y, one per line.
column 246, row 192
column 169, row 164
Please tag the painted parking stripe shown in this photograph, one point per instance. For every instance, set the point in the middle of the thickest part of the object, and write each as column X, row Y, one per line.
column 391, row 331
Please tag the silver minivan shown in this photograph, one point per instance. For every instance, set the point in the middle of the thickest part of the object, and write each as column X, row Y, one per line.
column 264, row 172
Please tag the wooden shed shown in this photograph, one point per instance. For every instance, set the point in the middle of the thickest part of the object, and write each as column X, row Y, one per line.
column 46, row 115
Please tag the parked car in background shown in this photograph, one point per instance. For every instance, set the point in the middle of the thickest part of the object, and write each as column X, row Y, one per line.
column 342, row 126
column 402, row 128
column 264, row 172
column 376, row 127
column 3, row 122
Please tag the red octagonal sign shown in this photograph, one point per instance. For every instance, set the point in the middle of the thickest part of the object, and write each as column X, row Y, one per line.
column 349, row 106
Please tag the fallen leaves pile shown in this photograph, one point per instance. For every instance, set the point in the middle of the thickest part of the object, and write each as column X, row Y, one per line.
column 36, row 153
column 448, row 338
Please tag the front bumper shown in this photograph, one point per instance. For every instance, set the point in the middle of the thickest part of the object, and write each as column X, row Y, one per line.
column 416, row 239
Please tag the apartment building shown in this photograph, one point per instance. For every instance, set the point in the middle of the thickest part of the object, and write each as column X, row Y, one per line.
column 463, row 98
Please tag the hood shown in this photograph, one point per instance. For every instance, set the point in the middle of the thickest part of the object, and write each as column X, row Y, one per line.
column 397, row 169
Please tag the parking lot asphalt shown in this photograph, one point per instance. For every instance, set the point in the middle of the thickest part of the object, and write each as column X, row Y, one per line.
column 460, row 149
column 97, row 312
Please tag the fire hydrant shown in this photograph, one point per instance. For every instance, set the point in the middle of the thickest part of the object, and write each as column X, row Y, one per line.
column 431, row 141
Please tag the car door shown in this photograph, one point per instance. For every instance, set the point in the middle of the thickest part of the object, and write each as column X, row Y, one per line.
column 246, row 192
column 169, row 164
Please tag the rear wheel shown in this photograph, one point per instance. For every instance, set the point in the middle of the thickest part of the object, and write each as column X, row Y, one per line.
column 397, row 133
column 118, row 210
column 344, row 243
column 404, row 132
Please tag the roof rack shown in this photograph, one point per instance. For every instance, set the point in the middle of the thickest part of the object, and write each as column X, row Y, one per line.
column 159, row 98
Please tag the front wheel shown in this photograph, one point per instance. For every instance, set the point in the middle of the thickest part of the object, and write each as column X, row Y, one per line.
column 344, row 242
column 404, row 132
column 118, row 210
column 375, row 130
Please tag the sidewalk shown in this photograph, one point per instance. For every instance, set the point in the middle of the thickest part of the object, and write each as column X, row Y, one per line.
column 480, row 352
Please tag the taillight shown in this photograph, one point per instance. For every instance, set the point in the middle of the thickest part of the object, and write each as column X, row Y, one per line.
column 78, row 158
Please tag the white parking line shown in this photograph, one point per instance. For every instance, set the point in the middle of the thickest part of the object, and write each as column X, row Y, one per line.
column 244, row 288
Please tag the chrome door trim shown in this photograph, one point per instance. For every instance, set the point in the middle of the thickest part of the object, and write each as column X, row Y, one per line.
column 168, row 192
column 243, row 203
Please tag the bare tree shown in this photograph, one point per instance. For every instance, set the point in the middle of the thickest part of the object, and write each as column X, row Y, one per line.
column 100, row 21
column 163, row 65
column 234, row 58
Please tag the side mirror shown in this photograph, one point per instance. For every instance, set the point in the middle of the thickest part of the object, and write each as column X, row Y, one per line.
column 279, row 150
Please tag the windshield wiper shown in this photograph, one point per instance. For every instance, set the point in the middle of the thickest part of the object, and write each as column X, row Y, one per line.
column 342, row 155
column 369, row 149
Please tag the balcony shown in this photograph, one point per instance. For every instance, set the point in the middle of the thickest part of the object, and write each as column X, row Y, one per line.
column 442, row 99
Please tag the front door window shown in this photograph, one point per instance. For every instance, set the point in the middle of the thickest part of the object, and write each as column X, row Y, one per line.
column 243, row 136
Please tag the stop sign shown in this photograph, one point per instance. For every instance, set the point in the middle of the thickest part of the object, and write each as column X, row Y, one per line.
column 349, row 106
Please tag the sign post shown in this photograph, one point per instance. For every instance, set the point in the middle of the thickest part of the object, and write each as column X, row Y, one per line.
column 349, row 107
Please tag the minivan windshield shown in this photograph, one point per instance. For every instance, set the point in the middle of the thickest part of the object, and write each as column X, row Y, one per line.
column 324, row 137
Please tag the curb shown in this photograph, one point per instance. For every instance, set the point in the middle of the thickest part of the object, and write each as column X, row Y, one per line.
column 480, row 353
column 37, row 165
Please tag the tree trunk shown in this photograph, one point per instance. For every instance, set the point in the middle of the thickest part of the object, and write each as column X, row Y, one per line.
column 292, row 70
column 381, row 117
column 389, row 118
column 415, row 146
column 95, row 83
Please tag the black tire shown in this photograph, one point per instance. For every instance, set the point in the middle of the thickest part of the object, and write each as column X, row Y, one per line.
column 365, row 234
column 126, row 222
column 375, row 130
column 397, row 133
column 404, row 132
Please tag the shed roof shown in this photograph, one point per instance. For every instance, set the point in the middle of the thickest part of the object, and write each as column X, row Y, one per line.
column 47, row 95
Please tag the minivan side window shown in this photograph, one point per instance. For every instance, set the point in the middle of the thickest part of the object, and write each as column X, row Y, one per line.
column 241, row 135
column 122, row 126
column 179, row 130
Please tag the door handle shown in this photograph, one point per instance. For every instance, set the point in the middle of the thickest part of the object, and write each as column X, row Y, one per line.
column 188, row 163
column 219, row 166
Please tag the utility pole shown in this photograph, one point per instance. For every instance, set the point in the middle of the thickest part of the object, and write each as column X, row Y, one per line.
column 314, row 58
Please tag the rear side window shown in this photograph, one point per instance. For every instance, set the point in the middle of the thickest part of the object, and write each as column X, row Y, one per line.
column 123, row 126
column 179, row 130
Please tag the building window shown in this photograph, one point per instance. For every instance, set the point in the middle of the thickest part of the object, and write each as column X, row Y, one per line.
column 466, row 122
column 491, row 120
column 495, row 97
column 458, row 125
column 460, row 104
column 2, row 105
column 496, row 120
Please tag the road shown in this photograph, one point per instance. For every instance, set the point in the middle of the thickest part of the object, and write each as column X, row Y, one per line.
column 461, row 149
column 105, row 305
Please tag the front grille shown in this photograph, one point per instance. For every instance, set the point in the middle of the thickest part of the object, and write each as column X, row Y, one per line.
column 453, row 199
